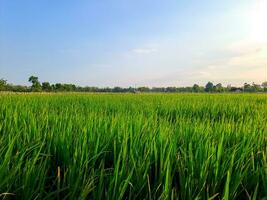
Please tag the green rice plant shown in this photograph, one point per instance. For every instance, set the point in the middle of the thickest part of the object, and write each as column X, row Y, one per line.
column 133, row 146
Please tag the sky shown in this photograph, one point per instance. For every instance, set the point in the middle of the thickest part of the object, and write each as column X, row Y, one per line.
column 134, row 42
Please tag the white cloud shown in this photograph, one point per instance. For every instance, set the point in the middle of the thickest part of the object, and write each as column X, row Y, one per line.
column 243, row 62
column 245, row 47
column 234, row 64
column 145, row 50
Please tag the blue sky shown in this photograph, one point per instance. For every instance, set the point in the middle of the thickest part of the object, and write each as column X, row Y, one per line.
column 134, row 42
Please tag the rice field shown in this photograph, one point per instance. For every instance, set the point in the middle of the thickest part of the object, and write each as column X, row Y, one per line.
column 133, row 146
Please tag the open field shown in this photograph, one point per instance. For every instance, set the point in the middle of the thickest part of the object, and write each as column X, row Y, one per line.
column 133, row 146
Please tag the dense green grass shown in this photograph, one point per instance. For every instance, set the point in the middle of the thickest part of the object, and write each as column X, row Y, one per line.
column 142, row 146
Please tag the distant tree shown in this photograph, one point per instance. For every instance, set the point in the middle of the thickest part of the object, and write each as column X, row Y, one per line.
column 107, row 89
column 228, row 88
column 62, row 87
column 236, row 89
column 157, row 89
column 3, row 84
column 170, row 89
column 256, row 88
column 117, row 89
column 131, row 90
column 46, row 87
column 143, row 89
column 33, row 79
column 264, row 85
column 247, row 87
column 18, row 88
column 36, row 86
column 252, row 88
column 209, row 87
column 219, row 88
column 58, row 87
column 68, row 87
column 196, row 88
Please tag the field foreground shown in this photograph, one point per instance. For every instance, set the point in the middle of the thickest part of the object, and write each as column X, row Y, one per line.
column 133, row 146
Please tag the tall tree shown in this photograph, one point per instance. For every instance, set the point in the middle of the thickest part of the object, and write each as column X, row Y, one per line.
column 219, row 87
column 46, row 86
column 256, row 88
column 143, row 89
column 3, row 84
column 36, row 86
column 264, row 85
column 58, row 87
column 196, row 88
column 247, row 87
column 209, row 87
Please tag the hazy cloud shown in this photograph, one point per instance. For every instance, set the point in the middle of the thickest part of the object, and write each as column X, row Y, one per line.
column 234, row 64
column 145, row 50
column 244, row 62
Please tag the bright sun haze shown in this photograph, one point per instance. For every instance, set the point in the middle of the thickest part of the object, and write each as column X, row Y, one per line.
column 134, row 42
column 258, row 17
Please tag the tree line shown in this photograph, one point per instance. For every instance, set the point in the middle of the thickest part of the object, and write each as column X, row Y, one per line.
column 37, row 86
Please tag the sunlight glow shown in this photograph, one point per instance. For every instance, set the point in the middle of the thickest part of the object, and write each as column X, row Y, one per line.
column 258, row 21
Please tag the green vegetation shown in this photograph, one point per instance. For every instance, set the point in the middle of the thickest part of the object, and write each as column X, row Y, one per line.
column 67, row 87
column 133, row 146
